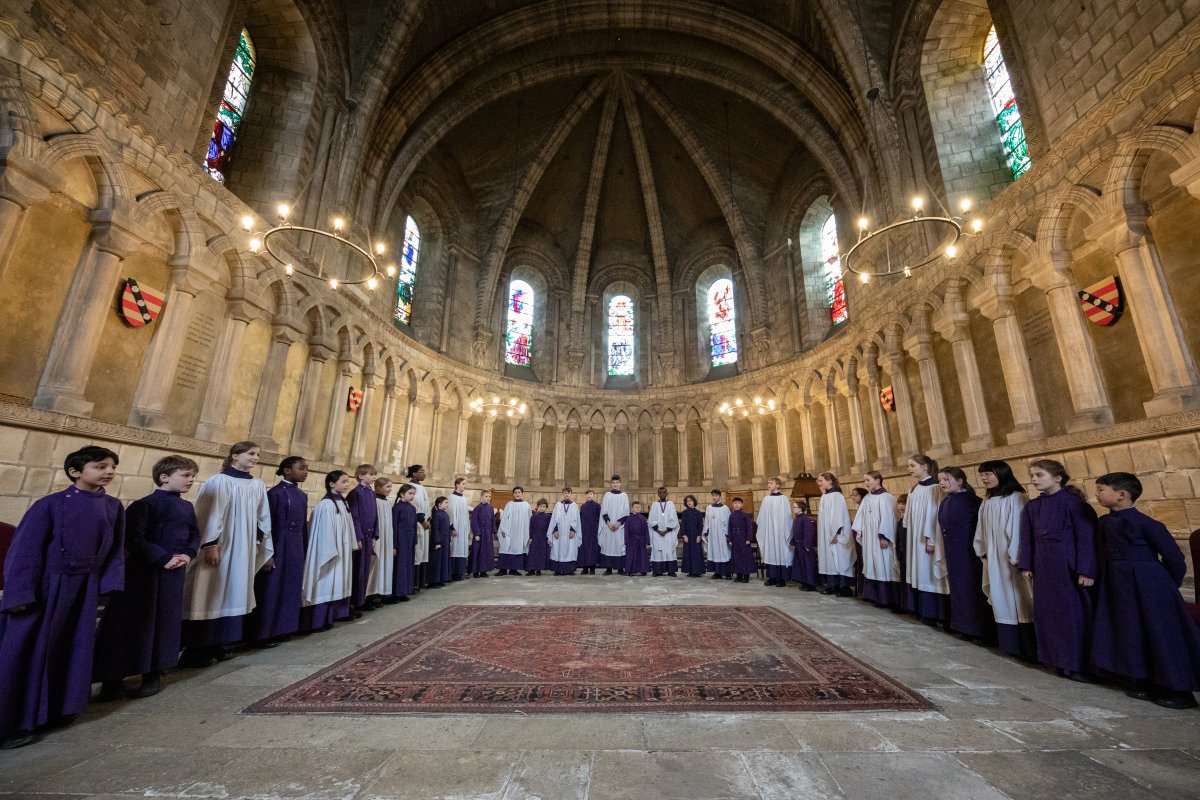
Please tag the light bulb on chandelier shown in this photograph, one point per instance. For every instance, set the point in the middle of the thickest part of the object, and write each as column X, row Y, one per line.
column 269, row 241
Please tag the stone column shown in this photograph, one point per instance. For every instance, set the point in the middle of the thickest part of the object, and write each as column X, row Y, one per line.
column 81, row 320
column 954, row 326
column 437, row 457
column 706, row 450
column 262, row 424
column 635, row 447
column 902, row 396
column 387, row 417
column 609, row 468
column 781, row 444
column 833, row 434
column 306, row 404
column 460, row 442
column 731, row 450
column 1169, row 361
column 23, row 182
column 996, row 304
column 510, row 450
column 858, row 432
column 485, row 450
column 585, row 449
column 560, row 455
column 809, row 444
column 535, row 455
column 222, row 373
column 658, row 455
column 337, row 414
column 358, row 439
column 758, row 449
column 920, row 345
column 681, row 442
column 883, row 435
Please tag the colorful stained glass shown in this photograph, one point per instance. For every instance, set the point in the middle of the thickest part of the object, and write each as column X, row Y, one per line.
column 620, row 336
column 831, row 265
column 722, row 322
column 408, row 272
column 1004, row 104
column 232, row 108
column 518, row 338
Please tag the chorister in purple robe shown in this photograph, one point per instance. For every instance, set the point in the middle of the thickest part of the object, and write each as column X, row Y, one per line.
column 637, row 544
column 439, row 548
column 141, row 628
column 804, row 547
column 741, row 545
column 1143, row 630
column 1058, row 546
column 361, row 500
column 404, row 545
column 691, row 526
column 589, row 545
column 278, row 591
column 67, row 551
column 538, row 556
column 970, row 613
column 483, row 541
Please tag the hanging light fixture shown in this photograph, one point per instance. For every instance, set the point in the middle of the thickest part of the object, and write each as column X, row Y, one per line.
column 742, row 408
column 496, row 406
column 268, row 241
column 895, row 261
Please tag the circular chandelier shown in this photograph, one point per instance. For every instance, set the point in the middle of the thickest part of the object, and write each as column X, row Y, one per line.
column 951, row 228
column 738, row 406
column 496, row 407
column 269, row 240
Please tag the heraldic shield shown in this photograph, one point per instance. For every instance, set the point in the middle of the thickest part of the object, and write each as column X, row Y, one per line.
column 140, row 305
column 1102, row 301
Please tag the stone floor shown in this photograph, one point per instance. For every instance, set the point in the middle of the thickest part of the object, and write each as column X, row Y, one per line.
column 1002, row 729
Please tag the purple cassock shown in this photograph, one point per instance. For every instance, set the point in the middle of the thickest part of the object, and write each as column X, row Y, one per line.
column 1143, row 630
column 901, row 547
column 364, row 512
column 277, row 592
column 483, row 539
column 637, row 544
column 141, row 628
column 804, row 545
column 741, row 541
column 404, row 542
column 589, row 543
column 970, row 612
column 68, row 550
column 691, row 526
column 439, row 547
column 538, row 556
column 1058, row 545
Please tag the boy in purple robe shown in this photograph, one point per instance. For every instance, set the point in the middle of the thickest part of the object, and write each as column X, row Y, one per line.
column 741, row 542
column 483, row 529
column 277, row 615
column 68, row 550
column 589, row 544
column 439, row 543
column 858, row 494
column 958, row 516
column 1144, row 632
column 365, row 515
column 1058, row 553
column 141, row 628
column 404, row 543
column 804, row 546
column 691, row 527
column 538, row 556
column 637, row 541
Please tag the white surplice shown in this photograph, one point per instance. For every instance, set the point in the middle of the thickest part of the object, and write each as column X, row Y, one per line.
column 564, row 521
column 460, row 518
column 997, row 542
column 664, row 517
column 926, row 571
column 833, row 521
column 876, row 516
column 514, row 528
column 716, row 533
column 420, row 502
column 775, row 530
column 614, row 509
column 384, row 566
column 231, row 512
column 329, row 561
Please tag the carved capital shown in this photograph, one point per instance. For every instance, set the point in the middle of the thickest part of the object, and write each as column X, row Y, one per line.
column 24, row 181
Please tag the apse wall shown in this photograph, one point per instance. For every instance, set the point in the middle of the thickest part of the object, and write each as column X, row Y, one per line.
column 988, row 357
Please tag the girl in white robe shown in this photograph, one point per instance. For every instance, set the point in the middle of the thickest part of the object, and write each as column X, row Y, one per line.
column 997, row 542
column 329, row 561
column 928, row 595
column 460, row 536
column 716, row 538
column 775, row 534
column 384, row 566
column 664, row 536
column 835, row 541
column 875, row 527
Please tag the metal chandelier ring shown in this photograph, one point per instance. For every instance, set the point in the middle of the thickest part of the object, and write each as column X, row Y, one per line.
column 954, row 224
column 266, row 241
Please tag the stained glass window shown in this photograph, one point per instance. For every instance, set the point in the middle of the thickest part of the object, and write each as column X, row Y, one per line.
column 408, row 271
column 722, row 322
column 232, row 108
column 518, row 339
column 831, row 266
column 1004, row 104
column 620, row 336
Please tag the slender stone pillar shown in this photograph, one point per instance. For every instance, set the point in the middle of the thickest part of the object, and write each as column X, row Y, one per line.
column 782, row 446
column 903, row 398
column 560, row 455
column 681, row 442
column 306, row 405
column 658, row 455
column 921, row 347
column 485, row 450
column 221, row 375
column 358, row 438
column 758, row 449
column 635, row 453
column 858, row 432
column 808, row 444
column 731, row 449
column 437, row 456
column 609, row 468
column 460, row 442
column 387, row 417
column 535, row 455
column 996, row 304
column 833, row 434
column 337, row 413
column 706, row 450
column 954, row 326
column 883, row 435
column 262, row 424
column 510, row 450
column 585, row 451
column 23, row 182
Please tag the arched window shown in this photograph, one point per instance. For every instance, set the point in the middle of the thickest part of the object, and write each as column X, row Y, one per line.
column 408, row 271
column 722, row 322
column 1004, row 104
column 620, row 336
column 831, row 263
column 232, row 108
column 518, row 338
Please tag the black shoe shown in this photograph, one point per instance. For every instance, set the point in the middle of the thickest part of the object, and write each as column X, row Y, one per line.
column 391, row 601
column 1141, row 694
column 1175, row 700
column 727, row 577
column 670, row 574
column 17, row 739
column 197, row 658
column 403, row 599
column 716, row 577
column 828, row 590
column 807, row 587
column 608, row 571
column 267, row 644
column 151, row 684
column 456, row 577
column 621, row 571
column 110, row 691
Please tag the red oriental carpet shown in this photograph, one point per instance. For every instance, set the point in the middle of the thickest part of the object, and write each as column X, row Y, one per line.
column 555, row 659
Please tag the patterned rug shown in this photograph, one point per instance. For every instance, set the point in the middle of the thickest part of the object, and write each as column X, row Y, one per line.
column 555, row 659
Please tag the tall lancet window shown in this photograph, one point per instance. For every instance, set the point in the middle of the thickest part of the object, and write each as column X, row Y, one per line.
column 408, row 271
column 1004, row 104
column 518, row 338
column 232, row 108
column 620, row 336
column 722, row 322
column 831, row 264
